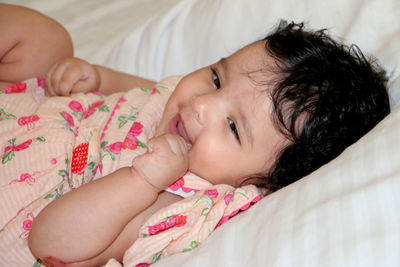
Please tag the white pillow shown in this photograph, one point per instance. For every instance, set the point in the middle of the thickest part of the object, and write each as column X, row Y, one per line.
column 195, row 33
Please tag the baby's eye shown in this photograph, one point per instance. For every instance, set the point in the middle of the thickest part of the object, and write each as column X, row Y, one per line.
column 215, row 78
column 234, row 130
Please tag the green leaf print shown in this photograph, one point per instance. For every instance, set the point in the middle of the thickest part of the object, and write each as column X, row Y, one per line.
column 156, row 257
column 63, row 173
column 56, row 194
column 104, row 144
column 162, row 86
column 37, row 263
column 205, row 211
column 91, row 165
column 6, row 116
column 7, row 156
column 40, row 139
column 141, row 144
column 104, row 108
column 124, row 119
column 194, row 244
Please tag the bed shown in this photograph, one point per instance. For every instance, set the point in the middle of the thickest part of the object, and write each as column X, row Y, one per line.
column 347, row 213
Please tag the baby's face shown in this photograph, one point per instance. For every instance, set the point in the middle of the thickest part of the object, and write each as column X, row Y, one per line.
column 225, row 115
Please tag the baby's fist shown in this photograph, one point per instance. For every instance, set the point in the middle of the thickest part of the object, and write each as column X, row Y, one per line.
column 165, row 161
column 71, row 75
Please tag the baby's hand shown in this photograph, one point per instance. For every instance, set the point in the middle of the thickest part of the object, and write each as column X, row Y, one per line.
column 71, row 75
column 165, row 161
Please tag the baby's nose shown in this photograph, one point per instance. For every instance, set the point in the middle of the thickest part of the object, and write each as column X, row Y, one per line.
column 200, row 107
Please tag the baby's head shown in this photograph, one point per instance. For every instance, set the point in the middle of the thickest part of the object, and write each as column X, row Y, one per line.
column 277, row 109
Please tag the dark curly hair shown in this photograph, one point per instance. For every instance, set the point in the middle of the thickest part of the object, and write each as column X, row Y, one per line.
column 327, row 97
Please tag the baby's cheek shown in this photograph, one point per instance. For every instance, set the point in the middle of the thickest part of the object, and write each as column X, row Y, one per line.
column 202, row 163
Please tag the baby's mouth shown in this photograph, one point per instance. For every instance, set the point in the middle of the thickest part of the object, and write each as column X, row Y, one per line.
column 178, row 127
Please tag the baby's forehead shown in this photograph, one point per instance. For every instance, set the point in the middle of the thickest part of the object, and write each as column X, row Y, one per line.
column 255, row 56
column 255, row 62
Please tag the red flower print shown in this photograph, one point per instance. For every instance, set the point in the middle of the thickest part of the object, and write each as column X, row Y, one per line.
column 177, row 184
column 15, row 88
column 136, row 129
column 174, row 221
column 120, row 100
column 68, row 118
column 75, row 106
column 142, row 265
column 25, row 177
column 29, row 121
column 115, row 148
column 228, row 198
column 92, row 109
column 224, row 219
column 26, row 225
column 162, row 226
column 177, row 220
column 97, row 104
column 23, row 146
column 40, row 81
column 130, row 143
column 9, row 150
column 213, row 193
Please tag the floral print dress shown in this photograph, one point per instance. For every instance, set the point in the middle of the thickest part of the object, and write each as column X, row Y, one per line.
column 51, row 145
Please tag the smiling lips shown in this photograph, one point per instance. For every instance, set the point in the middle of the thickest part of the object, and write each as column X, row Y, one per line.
column 177, row 127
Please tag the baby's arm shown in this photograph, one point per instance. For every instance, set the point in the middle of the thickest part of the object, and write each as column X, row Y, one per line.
column 83, row 223
column 74, row 75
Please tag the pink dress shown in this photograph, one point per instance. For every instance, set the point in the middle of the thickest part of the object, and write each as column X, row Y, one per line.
column 50, row 145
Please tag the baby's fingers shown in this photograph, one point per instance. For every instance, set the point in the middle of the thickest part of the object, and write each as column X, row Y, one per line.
column 52, row 78
column 168, row 143
column 87, row 82
column 61, row 78
column 177, row 144
column 71, row 76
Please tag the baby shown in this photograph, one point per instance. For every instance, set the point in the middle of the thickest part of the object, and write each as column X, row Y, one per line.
column 267, row 115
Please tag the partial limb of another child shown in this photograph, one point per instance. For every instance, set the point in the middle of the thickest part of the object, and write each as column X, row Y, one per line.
column 30, row 44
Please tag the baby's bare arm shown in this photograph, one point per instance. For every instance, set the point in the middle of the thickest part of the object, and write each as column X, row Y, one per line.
column 130, row 233
column 30, row 43
column 75, row 75
column 84, row 222
column 112, row 81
